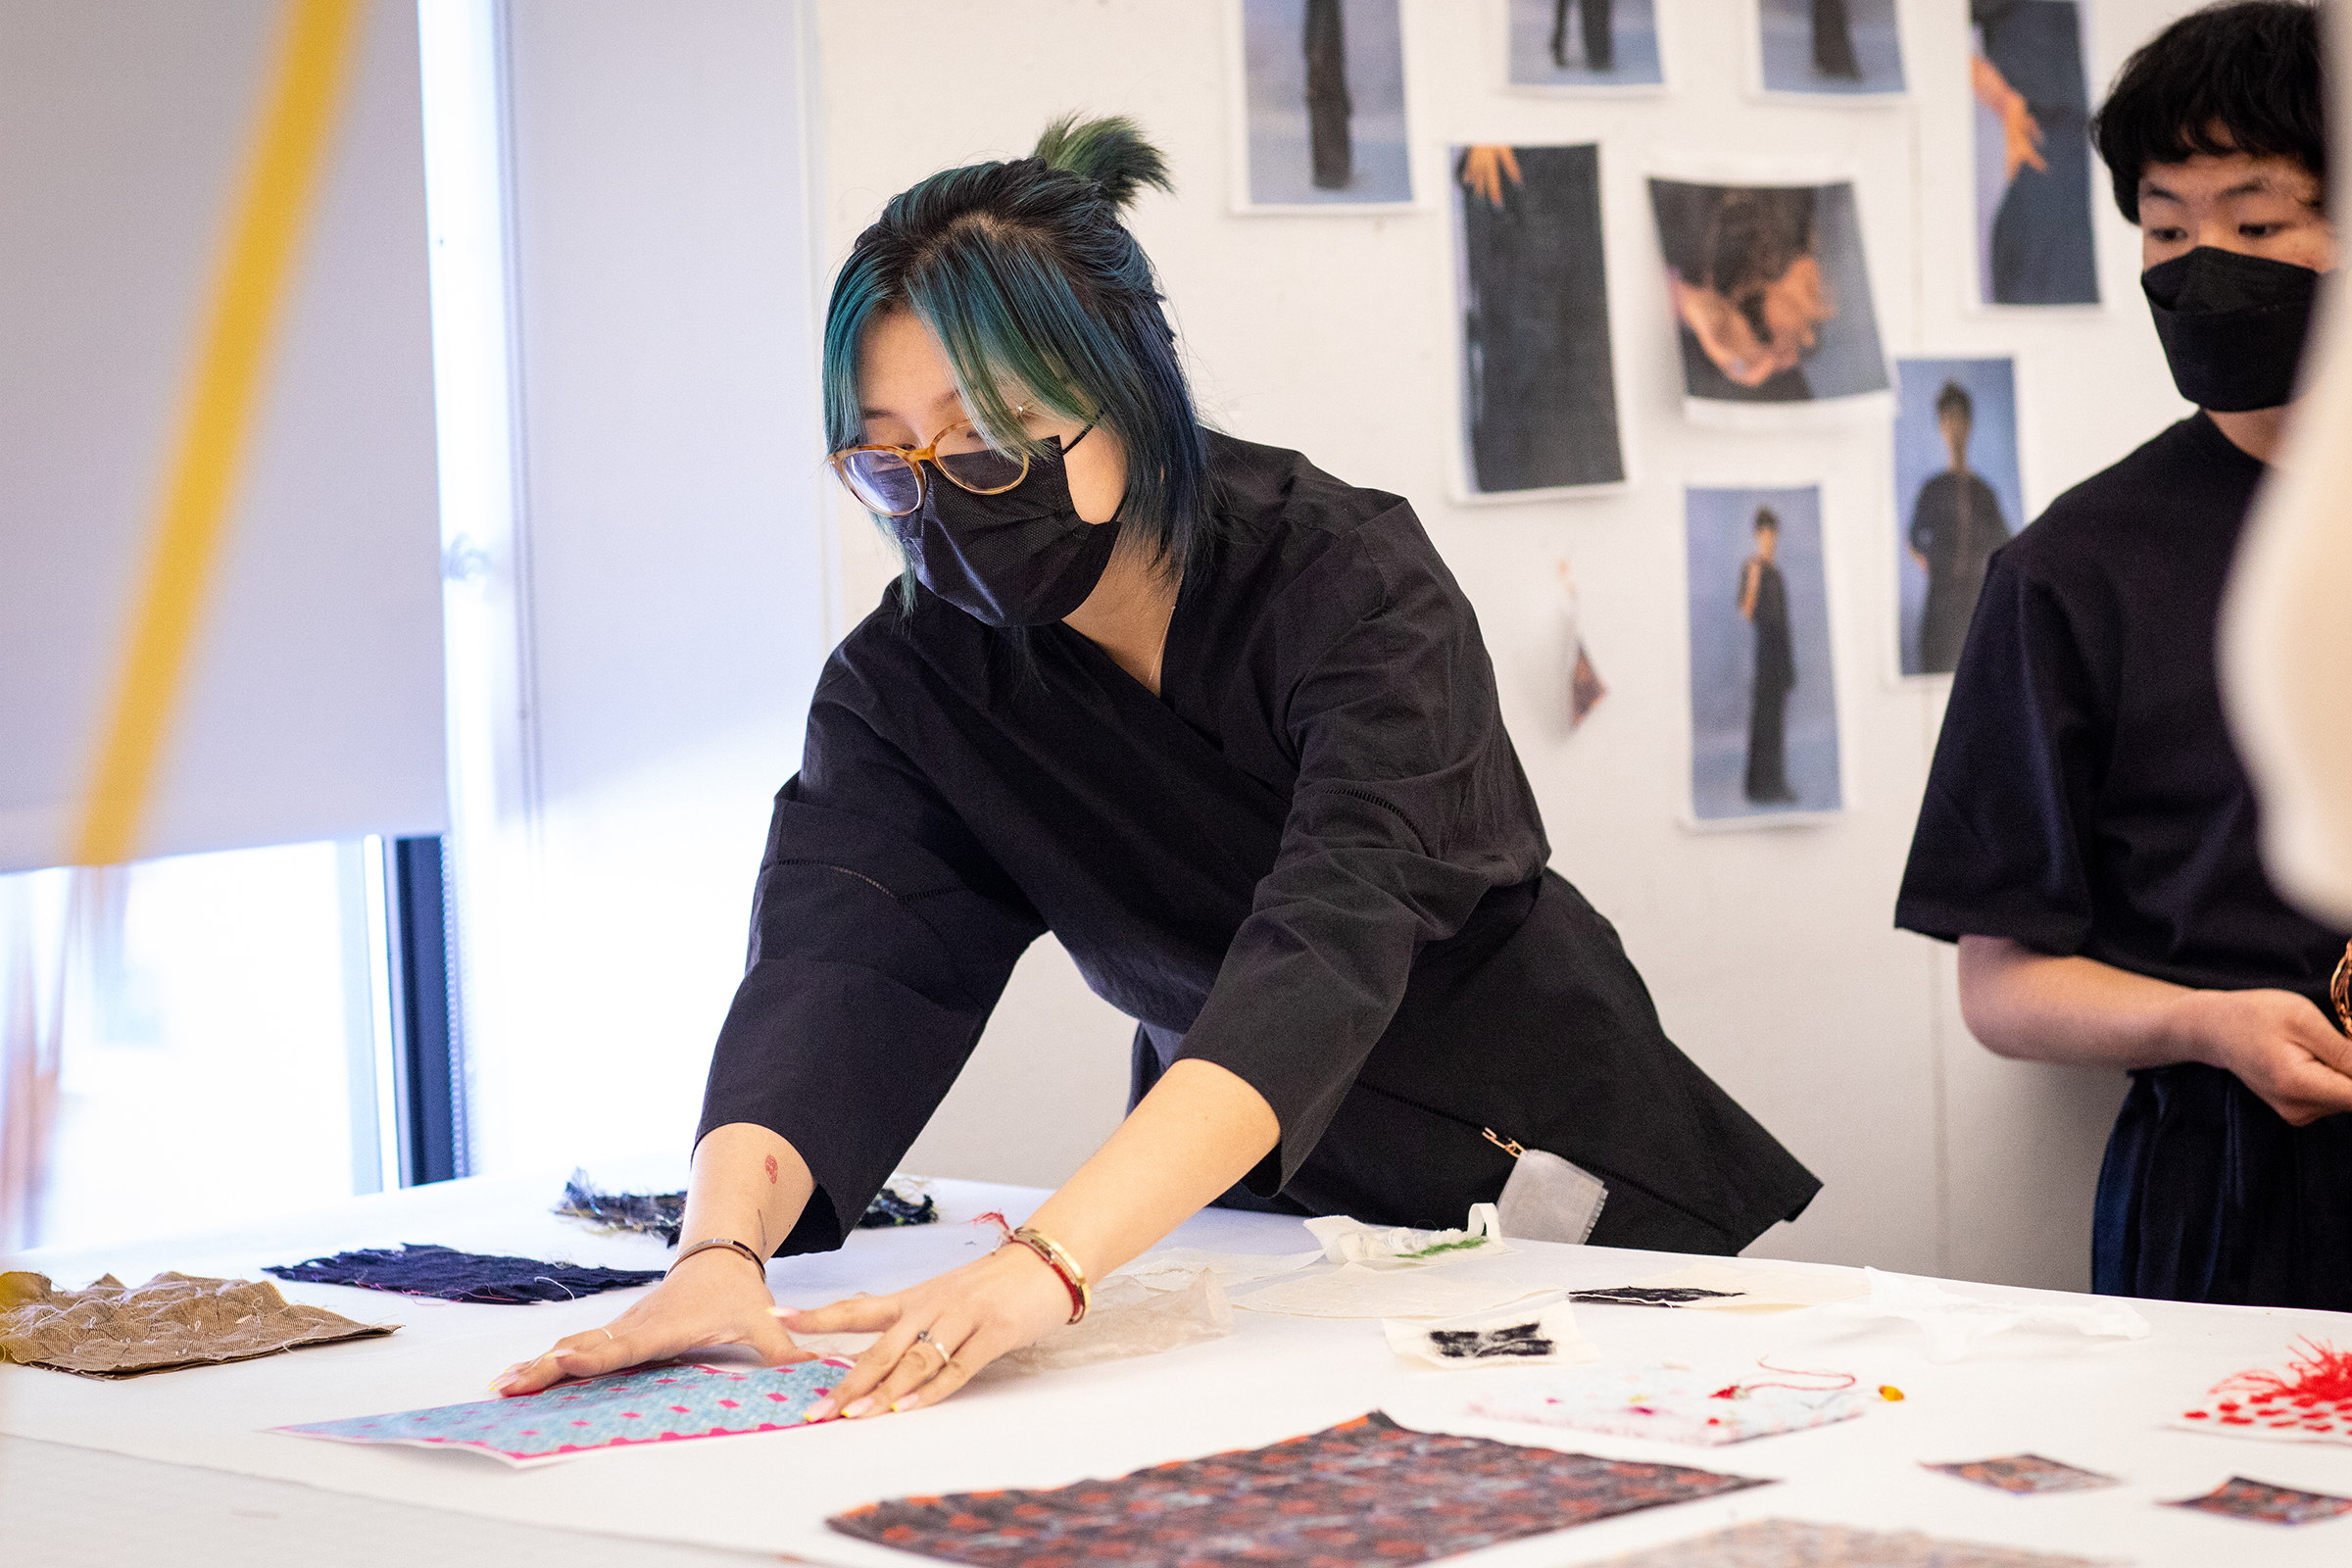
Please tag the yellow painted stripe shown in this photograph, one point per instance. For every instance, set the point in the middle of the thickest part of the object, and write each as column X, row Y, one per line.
column 280, row 186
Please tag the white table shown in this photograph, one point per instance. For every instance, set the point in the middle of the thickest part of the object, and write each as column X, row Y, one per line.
column 2094, row 1404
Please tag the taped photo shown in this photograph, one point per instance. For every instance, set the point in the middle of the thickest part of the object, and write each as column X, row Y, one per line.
column 1320, row 107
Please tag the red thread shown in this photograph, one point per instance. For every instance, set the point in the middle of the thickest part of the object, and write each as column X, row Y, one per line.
column 2321, row 1373
column 992, row 1217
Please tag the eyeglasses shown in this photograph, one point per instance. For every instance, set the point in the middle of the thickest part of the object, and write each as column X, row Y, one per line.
column 890, row 479
column 2339, row 989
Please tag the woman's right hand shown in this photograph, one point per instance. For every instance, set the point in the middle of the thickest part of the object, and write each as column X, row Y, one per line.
column 714, row 1297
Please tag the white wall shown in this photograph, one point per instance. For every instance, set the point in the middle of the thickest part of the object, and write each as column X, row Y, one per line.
column 1771, row 953
column 669, row 565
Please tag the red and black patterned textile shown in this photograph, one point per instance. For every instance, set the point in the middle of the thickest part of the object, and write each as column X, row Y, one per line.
column 1365, row 1492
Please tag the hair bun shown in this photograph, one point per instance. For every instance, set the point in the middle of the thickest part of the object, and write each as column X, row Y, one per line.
column 1109, row 151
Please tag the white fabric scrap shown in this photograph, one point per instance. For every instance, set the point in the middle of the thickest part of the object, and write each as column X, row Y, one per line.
column 1536, row 1334
column 1352, row 1242
column 1172, row 1268
column 1356, row 1291
column 1954, row 1323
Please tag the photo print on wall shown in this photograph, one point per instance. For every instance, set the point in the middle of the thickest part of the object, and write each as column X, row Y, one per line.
column 1957, row 498
column 1763, row 695
column 1770, row 292
column 1321, row 107
column 1838, row 48
column 1586, row 44
column 1539, row 381
column 2034, row 163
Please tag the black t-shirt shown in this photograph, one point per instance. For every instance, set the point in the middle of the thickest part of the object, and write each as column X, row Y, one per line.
column 1320, row 811
column 2085, row 800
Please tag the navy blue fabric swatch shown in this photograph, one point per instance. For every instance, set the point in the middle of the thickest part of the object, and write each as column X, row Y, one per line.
column 423, row 1269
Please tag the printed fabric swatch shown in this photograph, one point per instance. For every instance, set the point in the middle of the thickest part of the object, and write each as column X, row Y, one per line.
column 2310, row 1403
column 1366, row 1491
column 1664, row 1405
column 1529, row 1335
column 2025, row 1473
column 662, row 1403
column 2241, row 1499
column 422, row 1269
column 901, row 1202
column 1790, row 1543
column 113, row 1330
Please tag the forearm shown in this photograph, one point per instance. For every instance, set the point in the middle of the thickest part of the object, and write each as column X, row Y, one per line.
column 2036, row 1008
column 1199, row 1131
column 749, row 1185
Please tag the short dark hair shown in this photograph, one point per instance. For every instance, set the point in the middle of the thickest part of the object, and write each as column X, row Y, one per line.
column 2241, row 77
column 1766, row 518
column 1954, row 398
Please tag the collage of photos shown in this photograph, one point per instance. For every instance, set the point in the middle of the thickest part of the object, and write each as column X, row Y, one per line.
column 1769, row 294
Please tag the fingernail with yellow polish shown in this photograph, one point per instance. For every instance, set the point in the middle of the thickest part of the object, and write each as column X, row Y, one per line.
column 908, row 1403
column 860, row 1407
column 820, row 1410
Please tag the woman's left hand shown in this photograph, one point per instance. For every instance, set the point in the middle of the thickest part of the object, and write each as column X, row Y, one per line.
column 938, row 1334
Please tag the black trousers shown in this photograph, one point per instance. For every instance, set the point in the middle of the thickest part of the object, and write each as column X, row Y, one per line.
column 1768, row 743
column 1834, row 41
column 1601, row 40
column 1327, row 104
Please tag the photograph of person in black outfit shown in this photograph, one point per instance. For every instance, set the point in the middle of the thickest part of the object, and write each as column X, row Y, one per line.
column 1763, row 706
column 1764, row 606
column 1538, row 386
column 1583, row 43
column 2033, row 237
column 1956, row 525
column 1837, row 47
column 1322, row 104
column 2088, row 835
column 1770, row 292
column 1221, row 722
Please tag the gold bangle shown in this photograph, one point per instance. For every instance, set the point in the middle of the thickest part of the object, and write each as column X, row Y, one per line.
column 733, row 1246
column 1082, row 1294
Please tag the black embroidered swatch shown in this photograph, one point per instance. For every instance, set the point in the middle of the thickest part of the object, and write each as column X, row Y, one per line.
column 423, row 1269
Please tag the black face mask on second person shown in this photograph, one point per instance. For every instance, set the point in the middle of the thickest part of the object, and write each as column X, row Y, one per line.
column 1020, row 557
column 2232, row 325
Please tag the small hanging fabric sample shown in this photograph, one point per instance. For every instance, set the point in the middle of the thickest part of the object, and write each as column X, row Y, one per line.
column 1549, row 1198
column 1666, row 1404
column 422, row 1269
column 2311, row 1402
column 113, row 1330
column 660, row 1403
column 1790, row 1543
column 2024, row 1475
column 2241, row 1499
column 1367, row 1490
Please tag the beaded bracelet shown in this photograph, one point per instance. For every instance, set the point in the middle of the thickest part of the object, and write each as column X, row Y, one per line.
column 1082, row 1294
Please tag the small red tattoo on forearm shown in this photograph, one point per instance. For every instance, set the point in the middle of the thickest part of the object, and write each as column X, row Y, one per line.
column 772, row 1170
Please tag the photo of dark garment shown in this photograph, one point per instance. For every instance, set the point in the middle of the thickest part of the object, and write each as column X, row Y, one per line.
column 1540, row 391
column 2085, row 799
column 1598, row 35
column 1768, row 703
column 2042, row 238
column 1956, row 525
column 1313, row 859
column 1327, row 104
column 1733, row 239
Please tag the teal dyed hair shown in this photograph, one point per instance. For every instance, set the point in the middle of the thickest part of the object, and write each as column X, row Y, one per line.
column 1037, row 291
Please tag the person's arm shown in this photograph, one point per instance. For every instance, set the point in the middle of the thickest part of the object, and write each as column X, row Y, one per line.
column 2020, row 134
column 1751, row 579
column 2033, row 1006
column 1199, row 1131
column 749, row 1186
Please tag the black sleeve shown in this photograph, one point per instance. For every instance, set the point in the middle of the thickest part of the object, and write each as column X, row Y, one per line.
column 1409, row 807
column 882, row 936
column 2001, row 843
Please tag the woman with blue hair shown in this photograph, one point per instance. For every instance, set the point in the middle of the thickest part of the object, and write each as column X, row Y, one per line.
column 1225, row 726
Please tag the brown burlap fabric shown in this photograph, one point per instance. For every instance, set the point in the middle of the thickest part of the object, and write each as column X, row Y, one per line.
column 113, row 1330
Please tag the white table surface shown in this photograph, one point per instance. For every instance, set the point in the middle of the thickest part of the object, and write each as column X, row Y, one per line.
column 2095, row 1404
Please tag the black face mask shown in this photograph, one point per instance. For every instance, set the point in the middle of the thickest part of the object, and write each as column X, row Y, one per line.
column 2232, row 325
column 1023, row 557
